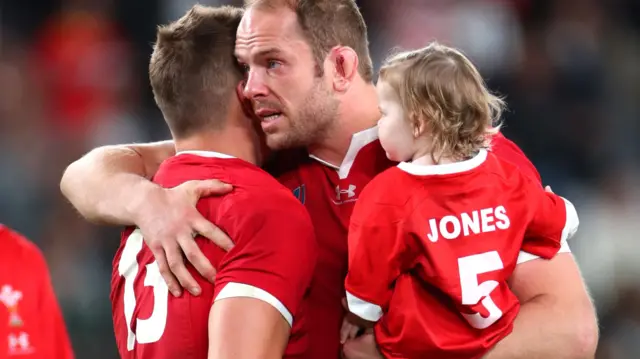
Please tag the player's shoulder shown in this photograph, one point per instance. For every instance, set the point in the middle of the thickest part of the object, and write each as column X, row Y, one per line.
column 507, row 171
column 391, row 187
column 261, row 194
column 385, row 198
column 202, row 165
column 508, row 151
column 253, row 212
column 271, row 196
column 18, row 246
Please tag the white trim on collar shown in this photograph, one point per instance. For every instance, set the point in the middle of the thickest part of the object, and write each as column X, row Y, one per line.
column 210, row 154
column 358, row 141
column 445, row 169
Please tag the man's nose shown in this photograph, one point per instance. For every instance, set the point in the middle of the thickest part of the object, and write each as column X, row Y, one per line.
column 255, row 85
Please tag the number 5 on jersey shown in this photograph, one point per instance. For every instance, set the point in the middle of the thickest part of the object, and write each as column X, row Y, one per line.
column 472, row 291
column 147, row 330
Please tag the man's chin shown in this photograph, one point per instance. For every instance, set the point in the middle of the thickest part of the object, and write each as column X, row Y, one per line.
column 277, row 141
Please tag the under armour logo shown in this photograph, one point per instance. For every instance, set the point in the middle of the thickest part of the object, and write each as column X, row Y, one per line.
column 19, row 344
column 350, row 192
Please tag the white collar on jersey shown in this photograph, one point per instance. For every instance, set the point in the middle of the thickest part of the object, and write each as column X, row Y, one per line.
column 445, row 169
column 210, row 154
column 358, row 141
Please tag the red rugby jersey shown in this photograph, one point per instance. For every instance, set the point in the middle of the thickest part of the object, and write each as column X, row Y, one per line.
column 32, row 326
column 272, row 260
column 432, row 248
column 329, row 194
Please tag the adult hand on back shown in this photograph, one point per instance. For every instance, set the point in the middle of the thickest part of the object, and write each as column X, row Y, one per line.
column 169, row 221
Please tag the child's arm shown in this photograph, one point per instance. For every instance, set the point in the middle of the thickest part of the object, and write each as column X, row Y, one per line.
column 553, row 222
column 376, row 250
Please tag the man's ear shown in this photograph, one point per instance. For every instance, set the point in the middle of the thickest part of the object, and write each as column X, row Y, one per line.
column 344, row 63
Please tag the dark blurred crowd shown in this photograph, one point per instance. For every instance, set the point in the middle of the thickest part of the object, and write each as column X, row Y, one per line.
column 73, row 76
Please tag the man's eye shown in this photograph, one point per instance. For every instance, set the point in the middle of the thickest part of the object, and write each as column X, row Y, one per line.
column 272, row 64
column 244, row 68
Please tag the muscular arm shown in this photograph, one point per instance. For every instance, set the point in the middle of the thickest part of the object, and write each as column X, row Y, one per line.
column 246, row 328
column 556, row 319
column 105, row 184
column 110, row 185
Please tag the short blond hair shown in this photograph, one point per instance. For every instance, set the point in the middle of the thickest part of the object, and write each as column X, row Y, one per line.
column 193, row 71
column 440, row 88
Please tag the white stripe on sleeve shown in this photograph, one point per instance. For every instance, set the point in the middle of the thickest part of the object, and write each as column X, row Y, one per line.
column 363, row 309
column 236, row 290
column 570, row 227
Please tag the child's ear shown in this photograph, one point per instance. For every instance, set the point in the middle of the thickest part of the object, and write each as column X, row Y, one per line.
column 419, row 124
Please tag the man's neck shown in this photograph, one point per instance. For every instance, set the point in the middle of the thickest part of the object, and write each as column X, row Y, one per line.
column 232, row 141
column 360, row 114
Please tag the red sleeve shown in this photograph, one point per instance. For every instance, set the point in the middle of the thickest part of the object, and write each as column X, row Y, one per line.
column 376, row 249
column 553, row 221
column 275, row 253
column 506, row 150
column 57, row 339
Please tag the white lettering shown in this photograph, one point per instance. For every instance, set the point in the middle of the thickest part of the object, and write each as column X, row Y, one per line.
column 470, row 224
column 433, row 236
column 475, row 222
column 486, row 215
column 503, row 221
column 455, row 222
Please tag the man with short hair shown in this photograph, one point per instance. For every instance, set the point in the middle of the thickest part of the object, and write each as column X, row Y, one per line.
column 262, row 281
column 308, row 76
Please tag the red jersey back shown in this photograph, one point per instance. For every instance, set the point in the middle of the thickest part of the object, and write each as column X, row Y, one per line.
column 272, row 260
column 432, row 247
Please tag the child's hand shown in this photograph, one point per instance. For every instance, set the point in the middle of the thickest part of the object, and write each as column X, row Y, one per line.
column 348, row 330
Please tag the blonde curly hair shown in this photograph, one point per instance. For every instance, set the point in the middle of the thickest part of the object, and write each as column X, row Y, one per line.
column 443, row 93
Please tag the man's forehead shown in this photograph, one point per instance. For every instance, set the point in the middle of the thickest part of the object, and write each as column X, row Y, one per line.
column 280, row 22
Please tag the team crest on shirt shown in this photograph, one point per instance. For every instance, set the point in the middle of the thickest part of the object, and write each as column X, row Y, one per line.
column 10, row 298
column 301, row 193
column 18, row 343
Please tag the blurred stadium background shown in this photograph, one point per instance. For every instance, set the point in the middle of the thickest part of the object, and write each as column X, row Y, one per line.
column 73, row 76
